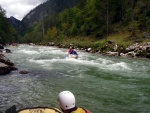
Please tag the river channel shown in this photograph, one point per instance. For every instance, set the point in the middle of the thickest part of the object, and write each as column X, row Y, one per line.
column 100, row 83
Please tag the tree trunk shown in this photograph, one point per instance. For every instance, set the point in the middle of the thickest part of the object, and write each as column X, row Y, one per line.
column 107, row 18
column 132, row 19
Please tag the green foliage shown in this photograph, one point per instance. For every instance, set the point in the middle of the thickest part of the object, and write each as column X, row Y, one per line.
column 51, row 34
column 7, row 32
column 34, row 34
column 2, row 12
column 94, row 19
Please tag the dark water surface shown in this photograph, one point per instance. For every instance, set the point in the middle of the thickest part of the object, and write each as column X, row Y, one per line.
column 101, row 84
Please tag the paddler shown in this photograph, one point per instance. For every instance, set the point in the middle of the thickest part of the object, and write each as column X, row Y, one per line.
column 66, row 101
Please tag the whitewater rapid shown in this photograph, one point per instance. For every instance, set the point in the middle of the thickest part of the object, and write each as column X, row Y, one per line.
column 100, row 83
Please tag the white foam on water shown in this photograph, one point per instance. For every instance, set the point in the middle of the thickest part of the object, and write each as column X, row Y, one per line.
column 104, row 61
column 30, row 52
column 52, row 51
column 40, row 50
column 103, row 64
column 119, row 66
column 99, row 63
column 37, row 61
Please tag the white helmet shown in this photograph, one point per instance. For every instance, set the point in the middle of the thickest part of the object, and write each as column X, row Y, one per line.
column 66, row 100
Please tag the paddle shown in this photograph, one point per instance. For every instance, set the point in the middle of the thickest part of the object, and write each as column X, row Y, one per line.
column 11, row 109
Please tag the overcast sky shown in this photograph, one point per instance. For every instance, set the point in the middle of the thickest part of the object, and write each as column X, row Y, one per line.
column 19, row 8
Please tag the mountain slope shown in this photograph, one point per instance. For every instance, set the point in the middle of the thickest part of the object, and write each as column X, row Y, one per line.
column 15, row 22
column 51, row 7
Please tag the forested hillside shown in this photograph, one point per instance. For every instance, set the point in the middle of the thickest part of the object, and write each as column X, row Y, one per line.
column 48, row 8
column 7, row 32
column 90, row 18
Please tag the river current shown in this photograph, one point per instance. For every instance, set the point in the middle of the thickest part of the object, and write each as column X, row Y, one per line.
column 100, row 83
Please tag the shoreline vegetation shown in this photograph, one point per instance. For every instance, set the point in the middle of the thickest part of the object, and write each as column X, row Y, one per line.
column 120, row 44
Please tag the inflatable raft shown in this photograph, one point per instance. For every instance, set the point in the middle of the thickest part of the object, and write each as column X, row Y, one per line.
column 33, row 110
column 73, row 56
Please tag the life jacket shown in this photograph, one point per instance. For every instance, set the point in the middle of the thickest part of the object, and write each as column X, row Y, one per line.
column 81, row 110
column 70, row 51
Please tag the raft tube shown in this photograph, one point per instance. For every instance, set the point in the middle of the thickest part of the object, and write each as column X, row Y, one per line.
column 73, row 56
column 33, row 110
column 40, row 110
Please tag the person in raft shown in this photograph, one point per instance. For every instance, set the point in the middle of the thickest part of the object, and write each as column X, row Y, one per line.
column 72, row 51
column 66, row 101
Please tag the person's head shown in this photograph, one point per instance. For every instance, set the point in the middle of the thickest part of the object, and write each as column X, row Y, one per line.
column 66, row 100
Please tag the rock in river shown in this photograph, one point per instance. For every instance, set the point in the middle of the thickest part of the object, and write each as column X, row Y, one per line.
column 6, row 66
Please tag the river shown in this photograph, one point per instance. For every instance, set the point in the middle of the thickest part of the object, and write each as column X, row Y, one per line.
column 100, row 83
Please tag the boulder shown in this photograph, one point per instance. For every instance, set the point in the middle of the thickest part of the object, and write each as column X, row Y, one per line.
column 131, row 54
column 112, row 53
column 123, row 54
column 6, row 66
column 146, row 44
column 5, row 60
column 8, row 50
column 4, row 69
column 88, row 49
column 51, row 43
column 24, row 72
column 31, row 44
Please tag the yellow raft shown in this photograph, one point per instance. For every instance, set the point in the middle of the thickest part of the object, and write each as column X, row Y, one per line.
column 33, row 110
column 40, row 110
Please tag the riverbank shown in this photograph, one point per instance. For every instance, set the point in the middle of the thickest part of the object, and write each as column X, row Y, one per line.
column 113, row 49
column 119, row 44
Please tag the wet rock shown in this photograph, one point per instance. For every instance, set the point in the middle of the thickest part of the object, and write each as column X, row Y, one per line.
column 51, row 43
column 132, row 47
column 88, row 49
column 8, row 50
column 146, row 44
column 131, row 54
column 62, row 46
column 6, row 66
column 4, row 69
column 5, row 60
column 13, row 68
column 112, row 53
column 31, row 44
column 123, row 55
column 24, row 72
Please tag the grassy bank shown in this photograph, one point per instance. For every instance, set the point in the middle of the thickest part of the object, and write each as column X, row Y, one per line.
column 119, row 44
column 123, row 39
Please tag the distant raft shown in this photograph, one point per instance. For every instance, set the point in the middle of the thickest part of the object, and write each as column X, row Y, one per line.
column 40, row 110
column 73, row 56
